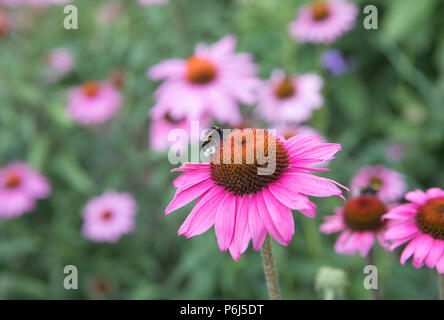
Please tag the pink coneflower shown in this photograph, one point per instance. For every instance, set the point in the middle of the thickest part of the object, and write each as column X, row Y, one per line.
column 109, row 216
column 360, row 221
column 389, row 184
column 212, row 82
column 245, row 202
column 93, row 102
column 323, row 21
column 150, row 2
column 290, row 98
column 160, row 129
column 20, row 187
column 421, row 223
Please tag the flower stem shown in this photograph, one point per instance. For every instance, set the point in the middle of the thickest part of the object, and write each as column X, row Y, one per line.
column 441, row 286
column 270, row 270
column 371, row 261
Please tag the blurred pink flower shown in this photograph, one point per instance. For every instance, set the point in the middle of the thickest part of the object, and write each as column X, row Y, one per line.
column 390, row 184
column 289, row 131
column 212, row 82
column 20, row 187
column 36, row 3
column 150, row 2
column 109, row 216
column 60, row 62
column 160, row 128
column 420, row 223
column 93, row 102
column 360, row 223
column 243, row 203
column 323, row 21
column 290, row 98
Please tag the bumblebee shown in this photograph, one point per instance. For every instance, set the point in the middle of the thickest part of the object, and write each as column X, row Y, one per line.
column 370, row 190
column 211, row 141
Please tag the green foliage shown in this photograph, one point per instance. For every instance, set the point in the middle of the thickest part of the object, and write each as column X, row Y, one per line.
column 394, row 94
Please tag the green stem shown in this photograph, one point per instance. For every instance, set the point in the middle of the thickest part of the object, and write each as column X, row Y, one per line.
column 371, row 261
column 441, row 286
column 270, row 270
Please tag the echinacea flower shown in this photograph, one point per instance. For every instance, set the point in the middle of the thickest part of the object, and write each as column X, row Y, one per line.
column 93, row 102
column 290, row 98
column 245, row 195
column 360, row 223
column 389, row 184
column 420, row 223
column 109, row 216
column 160, row 129
column 212, row 82
column 323, row 21
column 20, row 187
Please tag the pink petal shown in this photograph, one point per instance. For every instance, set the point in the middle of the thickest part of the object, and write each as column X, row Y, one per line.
column 189, row 179
column 408, row 250
column 366, row 241
column 225, row 221
column 267, row 220
column 203, row 215
column 435, row 253
column 281, row 215
column 182, row 197
column 332, row 224
column 423, row 245
column 188, row 166
column 416, row 196
column 440, row 265
column 435, row 193
column 342, row 242
column 310, row 185
column 242, row 235
column 166, row 69
column 403, row 211
column 257, row 228
column 401, row 230
column 323, row 152
column 292, row 199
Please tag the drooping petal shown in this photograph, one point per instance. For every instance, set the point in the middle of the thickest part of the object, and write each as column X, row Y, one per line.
column 188, row 179
column 435, row 253
column 292, row 199
column 242, row 234
column 408, row 250
column 422, row 248
column 203, row 215
column 366, row 241
column 182, row 197
column 267, row 220
column 225, row 221
column 256, row 225
column 281, row 215
column 332, row 224
column 310, row 185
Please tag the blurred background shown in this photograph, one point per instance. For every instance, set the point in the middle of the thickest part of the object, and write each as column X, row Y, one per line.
column 387, row 108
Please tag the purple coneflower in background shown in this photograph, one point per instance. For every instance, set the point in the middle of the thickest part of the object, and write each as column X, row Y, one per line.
column 20, row 187
column 109, row 216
